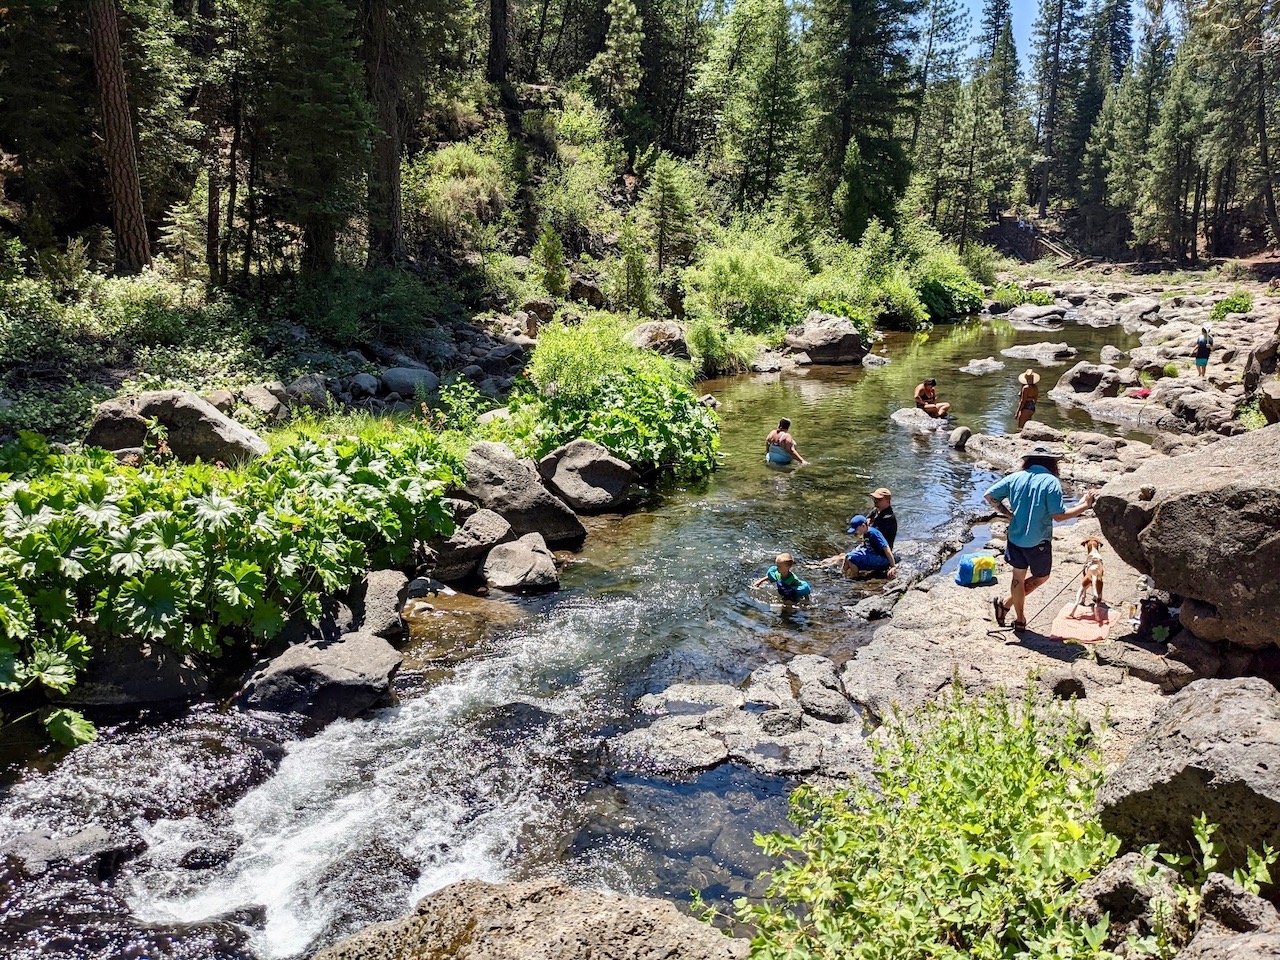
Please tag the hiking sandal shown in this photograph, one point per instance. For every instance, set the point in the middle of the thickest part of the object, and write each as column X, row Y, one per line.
column 1019, row 626
column 1002, row 612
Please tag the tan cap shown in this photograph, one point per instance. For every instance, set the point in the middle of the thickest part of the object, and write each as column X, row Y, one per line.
column 880, row 493
column 784, row 558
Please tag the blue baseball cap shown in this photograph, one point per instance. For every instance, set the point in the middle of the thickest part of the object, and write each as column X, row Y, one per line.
column 855, row 522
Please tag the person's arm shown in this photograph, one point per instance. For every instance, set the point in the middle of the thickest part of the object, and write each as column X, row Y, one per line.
column 995, row 496
column 893, row 562
column 762, row 581
column 1085, row 503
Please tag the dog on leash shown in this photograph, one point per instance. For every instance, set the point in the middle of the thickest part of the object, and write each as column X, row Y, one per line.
column 1091, row 577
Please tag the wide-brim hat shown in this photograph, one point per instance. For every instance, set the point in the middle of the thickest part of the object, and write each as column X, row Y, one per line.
column 1028, row 377
column 1040, row 450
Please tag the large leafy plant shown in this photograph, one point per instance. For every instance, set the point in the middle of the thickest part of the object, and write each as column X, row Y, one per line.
column 193, row 556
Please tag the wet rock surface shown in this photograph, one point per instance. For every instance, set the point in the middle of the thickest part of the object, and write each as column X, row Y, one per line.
column 524, row 564
column 460, row 554
column 475, row 920
column 979, row 367
column 1043, row 353
column 917, row 421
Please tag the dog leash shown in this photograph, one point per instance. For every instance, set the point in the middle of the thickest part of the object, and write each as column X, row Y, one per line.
column 1031, row 619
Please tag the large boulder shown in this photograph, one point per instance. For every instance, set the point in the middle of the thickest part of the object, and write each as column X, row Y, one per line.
column 1206, row 525
column 1214, row 750
column 542, row 919
column 325, row 679
column 268, row 399
column 194, row 429
column 1043, row 353
column 376, row 603
column 827, row 338
column 124, row 671
column 1135, row 894
column 586, row 476
column 586, row 290
column 498, row 481
column 461, row 553
column 1037, row 313
column 408, row 382
column 1234, row 924
column 661, row 336
column 524, row 564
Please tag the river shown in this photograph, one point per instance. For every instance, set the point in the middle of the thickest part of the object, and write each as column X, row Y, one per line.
column 492, row 764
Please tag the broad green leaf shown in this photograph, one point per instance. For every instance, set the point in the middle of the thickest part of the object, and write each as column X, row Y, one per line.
column 69, row 727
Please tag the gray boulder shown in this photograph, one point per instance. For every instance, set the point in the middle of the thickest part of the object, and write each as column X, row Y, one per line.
column 267, row 399
column 1137, row 894
column 221, row 400
column 958, row 439
column 538, row 920
column 541, row 308
column 524, row 564
column 408, row 382
column 586, row 476
column 917, row 421
column 309, row 390
column 661, row 336
column 363, row 385
column 459, row 555
column 497, row 481
column 104, row 853
column 378, row 601
column 1035, row 313
column 1206, row 529
column 325, row 679
column 195, row 430
column 1044, row 353
column 1234, row 924
column 1110, row 354
column 123, row 671
column 827, row 338
column 1214, row 749
column 978, row 367
column 586, row 291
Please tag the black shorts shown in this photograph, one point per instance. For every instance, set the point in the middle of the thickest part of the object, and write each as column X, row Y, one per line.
column 1037, row 559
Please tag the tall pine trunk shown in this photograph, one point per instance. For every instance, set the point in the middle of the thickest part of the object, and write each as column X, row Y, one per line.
column 1264, row 153
column 1051, row 111
column 496, row 65
column 133, row 249
column 386, row 222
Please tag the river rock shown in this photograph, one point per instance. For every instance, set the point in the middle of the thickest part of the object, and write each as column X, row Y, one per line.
column 1268, row 394
column 376, row 603
column 585, row 290
column 459, row 555
column 1043, row 353
column 104, row 852
column 827, row 338
column 363, row 385
column 409, row 382
column 325, row 679
column 1207, row 531
column 1137, row 894
column 538, row 920
column 917, row 421
column 979, row 367
column 497, row 481
column 524, row 564
column 670, row 745
column 661, row 336
column 766, row 361
column 958, row 439
column 195, row 430
column 309, row 390
column 876, row 360
column 824, row 703
column 1234, row 924
column 1038, row 432
column 124, row 671
column 267, row 399
column 690, row 698
column 1036, row 313
column 1213, row 749
column 1088, row 457
column 1110, row 355
column 586, row 476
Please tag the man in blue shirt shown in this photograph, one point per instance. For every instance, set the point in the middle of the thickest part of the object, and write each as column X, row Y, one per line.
column 1034, row 498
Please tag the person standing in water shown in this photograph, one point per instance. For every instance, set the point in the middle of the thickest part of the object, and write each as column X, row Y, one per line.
column 779, row 447
column 790, row 587
column 927, row 399
column 1027, row 396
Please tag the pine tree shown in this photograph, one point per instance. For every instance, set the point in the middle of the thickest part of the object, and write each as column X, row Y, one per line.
column 766, row 110
column 942, row 42
column 548, row 257
column 861, row 89
column 382, row 78
column 1116, row 23
column 667, row 212
column 616, row 70
column 631, row 281
column 996, row 19
column 1056, row 42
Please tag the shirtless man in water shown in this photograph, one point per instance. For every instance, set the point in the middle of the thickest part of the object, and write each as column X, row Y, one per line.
column 927, row 399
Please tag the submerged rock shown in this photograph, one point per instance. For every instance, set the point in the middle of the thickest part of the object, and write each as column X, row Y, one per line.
column 979, row 367
column 543, row 919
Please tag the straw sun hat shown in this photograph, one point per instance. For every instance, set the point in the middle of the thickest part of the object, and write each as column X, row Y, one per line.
column 1029, row 377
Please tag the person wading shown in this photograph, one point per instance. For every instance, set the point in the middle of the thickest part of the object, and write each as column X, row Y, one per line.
column 779, row 447
column 1027, row 396
column 1034, row 502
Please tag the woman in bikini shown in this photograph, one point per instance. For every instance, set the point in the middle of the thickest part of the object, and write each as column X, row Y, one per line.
column 926, row 397
column 779, row 447
column 1027, row 396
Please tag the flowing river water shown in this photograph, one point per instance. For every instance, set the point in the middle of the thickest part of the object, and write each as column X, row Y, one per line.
column 254, row 844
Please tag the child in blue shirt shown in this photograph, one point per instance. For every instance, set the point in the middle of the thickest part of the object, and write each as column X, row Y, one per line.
column 790, row 587
column 873, row 555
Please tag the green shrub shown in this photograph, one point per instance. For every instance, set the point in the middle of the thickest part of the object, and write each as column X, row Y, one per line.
column 718, row 350
column 894, row 303
column 1250, row 414
column 1041, row 298
column 970, row 842
column 1171, row 369
column 454, row 196
column 588, row 381
column 192, row 556
column 982, row 262
column 745, row 280
column 573, row 185
column 1239, row 302
column 944, row 286
column 1014, row 295
column 548, row 259
column 349, row 307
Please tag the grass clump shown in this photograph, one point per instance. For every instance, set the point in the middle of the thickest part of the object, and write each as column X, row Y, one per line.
column 969, row 843
column 1239, row 302
column 1171, row 369
column 1250, row 415
column 1015, row 295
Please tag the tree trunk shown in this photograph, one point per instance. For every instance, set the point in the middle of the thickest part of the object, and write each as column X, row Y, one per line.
column 233, row 179
column 1264, row 154
column 251, row 214
column 532, row 73
column 496, row 66
column 214, row 219
column 133, row 249
column 386, row 222
column 1050, row 120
